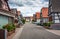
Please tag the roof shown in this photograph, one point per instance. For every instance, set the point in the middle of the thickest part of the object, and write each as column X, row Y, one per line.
column 37, row 15
column 44, row 12
column 6, row 12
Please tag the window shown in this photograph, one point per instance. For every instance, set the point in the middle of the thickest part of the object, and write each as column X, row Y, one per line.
column 57, row 21
column 55, row 14
column 56, row 17
column 51, row 9
column 59, row 13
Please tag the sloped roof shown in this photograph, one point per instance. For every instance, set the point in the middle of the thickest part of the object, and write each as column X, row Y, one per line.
column 37, row 15
column 44, row 12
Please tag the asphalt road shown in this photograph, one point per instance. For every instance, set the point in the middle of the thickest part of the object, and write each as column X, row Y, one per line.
column 32, row 31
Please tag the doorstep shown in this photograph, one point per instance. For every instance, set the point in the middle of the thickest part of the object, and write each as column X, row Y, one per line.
column 57, row 32
column 16, row 34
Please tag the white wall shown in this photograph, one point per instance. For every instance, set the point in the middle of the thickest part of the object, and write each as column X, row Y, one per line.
column 3, row 20
column 45, row 20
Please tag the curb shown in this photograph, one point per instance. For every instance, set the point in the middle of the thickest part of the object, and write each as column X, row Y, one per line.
column 56, row 32
column 17, row 35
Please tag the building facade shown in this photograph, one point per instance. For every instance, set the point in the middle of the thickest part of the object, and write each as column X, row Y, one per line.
column 44, row 15
column 14, row 10
column 54, row 12
column 29, row 18
column 6, row 16
column 4, row 5
column 38, row 16
column 19, row 17
column 34, row 17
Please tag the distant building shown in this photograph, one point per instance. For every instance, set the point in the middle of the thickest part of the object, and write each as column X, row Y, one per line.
column 38, row 16
column 44, row 15
column 6, row 16
column 34, row 17
column 54, row 12
column 19, row 17
column 14, row 10
column 29, row 18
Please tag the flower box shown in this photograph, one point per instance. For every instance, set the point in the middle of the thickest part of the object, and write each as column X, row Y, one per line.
column 10, row 32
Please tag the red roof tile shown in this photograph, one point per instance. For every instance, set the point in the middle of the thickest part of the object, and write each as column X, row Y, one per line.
column 37, row 15
column 44, row 12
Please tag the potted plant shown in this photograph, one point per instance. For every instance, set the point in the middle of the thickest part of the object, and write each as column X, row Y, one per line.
column 47, row 25
column 10, row 28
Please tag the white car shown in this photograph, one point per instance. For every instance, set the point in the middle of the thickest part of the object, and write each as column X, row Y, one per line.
column 36, row 22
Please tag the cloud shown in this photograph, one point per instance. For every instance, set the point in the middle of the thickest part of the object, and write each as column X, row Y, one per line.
column 29, row 10
column 28, row 7
column 15, row 2
column 46, row 0
column 28, row 3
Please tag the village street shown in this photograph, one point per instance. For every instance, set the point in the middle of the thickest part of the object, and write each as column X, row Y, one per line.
column 32, row 31
column 29, row 19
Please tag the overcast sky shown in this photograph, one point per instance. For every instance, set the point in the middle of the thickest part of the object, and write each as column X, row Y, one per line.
column 28, row 7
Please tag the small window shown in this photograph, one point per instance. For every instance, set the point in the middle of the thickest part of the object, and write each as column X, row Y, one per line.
column 56, row 17
column 57, row 21
column 55, row 14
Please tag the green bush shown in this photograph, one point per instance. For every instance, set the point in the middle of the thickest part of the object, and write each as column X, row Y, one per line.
column 9, row 27
column 23, row 21
column 32, row 20
column 14, row 27
column 38, row 24
column 44, row 24
column 48, row 24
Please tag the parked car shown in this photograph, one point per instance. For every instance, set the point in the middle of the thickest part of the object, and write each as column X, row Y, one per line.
column 36, row 23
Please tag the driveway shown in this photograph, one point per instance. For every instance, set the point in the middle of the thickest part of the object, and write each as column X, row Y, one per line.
column 32, row 31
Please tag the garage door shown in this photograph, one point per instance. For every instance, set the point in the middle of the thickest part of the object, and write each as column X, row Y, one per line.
column 3, row 20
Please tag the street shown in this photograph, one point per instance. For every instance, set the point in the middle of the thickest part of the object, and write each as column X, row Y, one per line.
column 32, row 31
column 29, row 19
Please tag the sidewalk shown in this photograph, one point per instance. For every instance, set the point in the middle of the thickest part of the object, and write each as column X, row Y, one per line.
column 57, row 32
column 16, row 34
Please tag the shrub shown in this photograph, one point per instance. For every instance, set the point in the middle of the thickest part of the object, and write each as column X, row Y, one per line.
column 9, row 27
column 14, row 27
column 23, row 21
column 44, row 24
column 48, row 24
column 38, row 24
column 32, row 20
